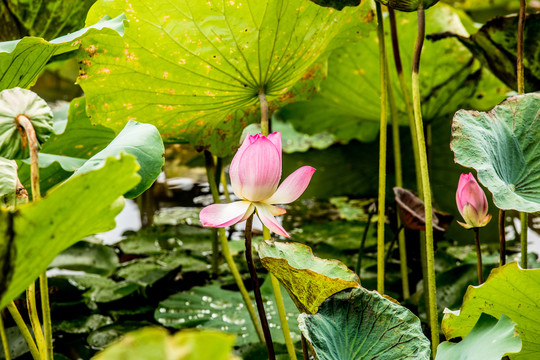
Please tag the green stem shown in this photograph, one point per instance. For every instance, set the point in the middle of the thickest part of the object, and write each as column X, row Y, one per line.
column 399, row 183
column 430, row 257
column 257, row 290
column 392, row 243
column 502, row 238
column 363, row 244
column 46, row 311
column 12, row 308
column 479, row 267
column 5, row 343
column 226, row 251
column 406, row 96
column 211, row 175
column 265, row 121
column 521, row 28
column 382, row 152
column 524, row 218
column 34, row 318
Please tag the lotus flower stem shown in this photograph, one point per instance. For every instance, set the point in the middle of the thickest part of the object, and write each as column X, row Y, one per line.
column 265, row 121
column 12, row 308
column 275, row 283
column 430, row 257
column 257, row 290
column 382, row 152
column 363, row 244
column 229, row 259
column 5, row 343
column 524, row 218
column 305, row 349
column 225, row 187
column 521, row 28
column 502, row 238
column 406, row 96
column 28, row 135
column 479, row 267
column 399, row 182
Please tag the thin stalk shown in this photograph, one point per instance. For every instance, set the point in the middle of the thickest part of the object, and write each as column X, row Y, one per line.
column 399, row 182
column 257, row 290
column 265, row 122
column 305, row 350
column 524, row 218
column 382, row 152
column 275, row 283
column 363, row 244
column 226, row 251
column 430, row 257
column 12, row 308
column 34, row 318
column 406, row 96
column 211, row 175
column 502, row 238
column 46, row 313
column 521, row 30
column 479, row 267
column 392, row 243
column 5, row 343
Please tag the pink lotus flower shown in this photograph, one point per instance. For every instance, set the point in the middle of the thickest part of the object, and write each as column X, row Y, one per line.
column 472, row 202
column 255, row 173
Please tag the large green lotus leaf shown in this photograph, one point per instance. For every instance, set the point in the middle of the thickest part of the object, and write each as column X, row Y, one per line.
column 21, row 61
column 211, row 306
column 8, row 182
column 46, row 19
column 348, row 103
column 502, row 145
column 490, row 339
column 155, row 343
column 189, row 67
column 361, row 324
column 84, row 205
column 308, row 279
column 508, row 290
column 495, row 44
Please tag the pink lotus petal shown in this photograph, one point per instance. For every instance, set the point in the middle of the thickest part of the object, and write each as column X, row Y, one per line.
column 293, row 186
column 264, row 211
column 233, row 169
column 259, row 169
column 276, row 210
column 222, row 215
column 275, row 138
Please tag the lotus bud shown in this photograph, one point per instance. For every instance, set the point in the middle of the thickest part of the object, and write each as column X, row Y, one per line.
column 408, row 5
column 15, row 103
column 472, row 203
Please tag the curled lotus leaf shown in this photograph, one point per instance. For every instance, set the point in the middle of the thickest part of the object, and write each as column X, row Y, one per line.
column 14, row 103
column 412, row 212
column 309, row 280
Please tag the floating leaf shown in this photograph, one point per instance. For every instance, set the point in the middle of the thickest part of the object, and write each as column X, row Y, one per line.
column 502, row 145
column 156, row 344
column 508, row 290
column 361, row 324
column 84, row 205
column 490, row 337
column 188, row 67
column 88, row 257
column 21, row 61
column 308, row 279
column 213, row 307
column 348, row 104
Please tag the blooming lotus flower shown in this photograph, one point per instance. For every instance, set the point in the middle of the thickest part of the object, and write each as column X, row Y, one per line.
column 472, row 202
column 255, row 173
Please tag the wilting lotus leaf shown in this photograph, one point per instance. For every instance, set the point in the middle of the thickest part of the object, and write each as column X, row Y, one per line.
column 502, row 145
column 84, row 205
column 308, row 279
column 361, row 324
column 16, row 102
column 188, row 67
column 490, row 337
column 508, row 290
column 412, row 212
column 156, row 344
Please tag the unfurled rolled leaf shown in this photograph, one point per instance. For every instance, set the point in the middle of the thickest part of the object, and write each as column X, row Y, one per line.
column 491, row 338
column 190, row 67
column 408, row 5
column 361, row 324
column 308, row 279
column 502, row 145
column 14, row 103
column 511, row 291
